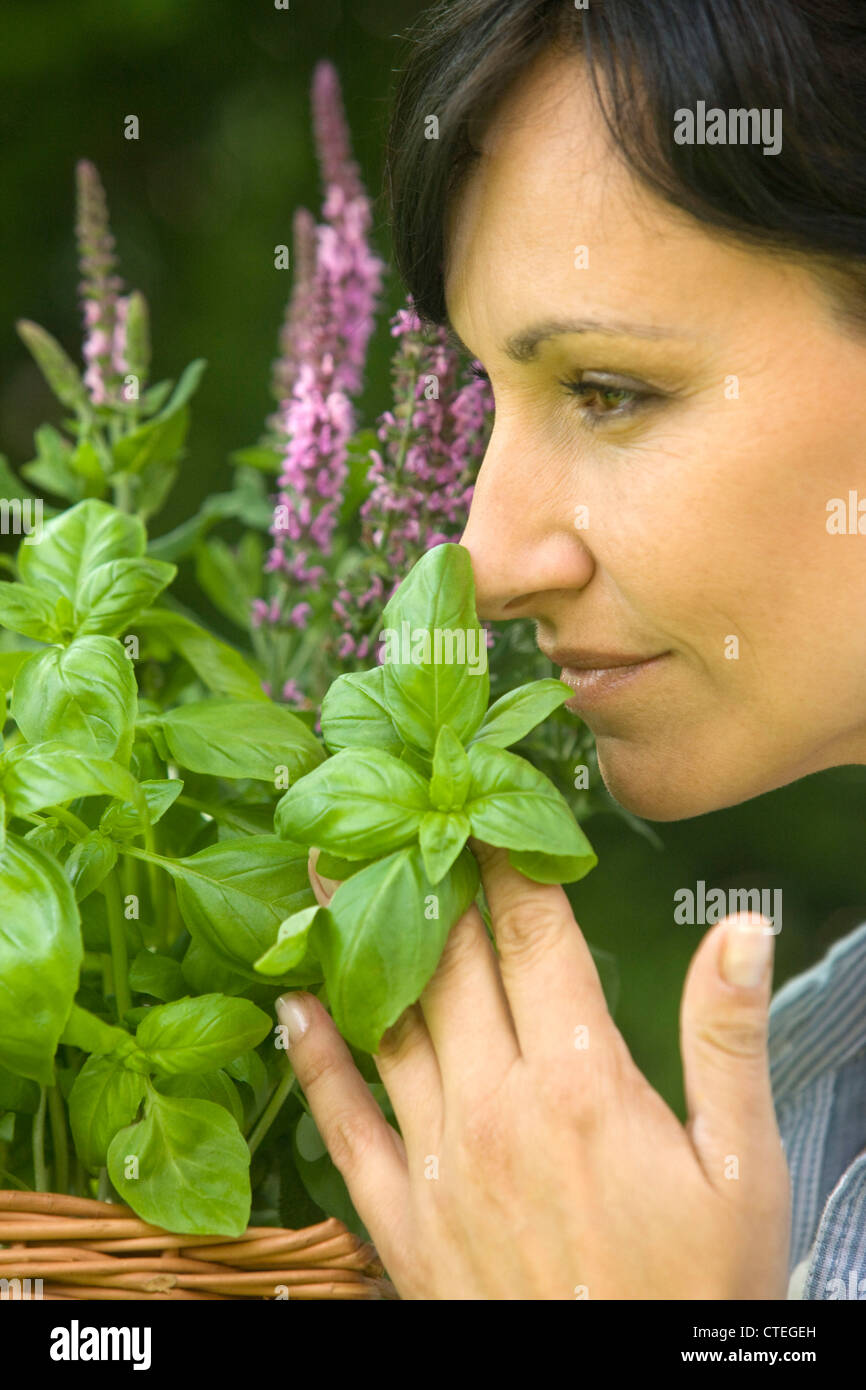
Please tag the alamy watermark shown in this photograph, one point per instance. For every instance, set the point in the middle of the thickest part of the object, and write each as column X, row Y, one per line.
column 449, row 646
column 20, row 1290
column 738, row 126
column 699, row 907
column 21, row 517
column 77, row 1343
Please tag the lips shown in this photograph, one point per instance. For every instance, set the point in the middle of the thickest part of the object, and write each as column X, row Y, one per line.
column 586, row 660
column 596, row 677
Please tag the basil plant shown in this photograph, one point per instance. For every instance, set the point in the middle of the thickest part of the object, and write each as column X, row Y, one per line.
column 418, row 764
column 123, row 945
column 137, row 970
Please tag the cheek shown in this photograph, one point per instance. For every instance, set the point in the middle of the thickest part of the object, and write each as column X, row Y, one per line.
column 717, row 529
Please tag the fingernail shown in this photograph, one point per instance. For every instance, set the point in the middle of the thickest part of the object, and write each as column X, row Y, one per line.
column 747, row 951
column 293, row 1015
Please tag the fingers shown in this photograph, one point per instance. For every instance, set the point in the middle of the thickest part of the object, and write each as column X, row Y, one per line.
column 467, row 1014
column 723, row 1039
column 323, row 888
column 406, row 1060
column 368, row 1152
column 549, row 977
column 409, row 1070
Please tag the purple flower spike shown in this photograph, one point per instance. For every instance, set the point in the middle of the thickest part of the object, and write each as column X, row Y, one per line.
column 331, row 315
column 104, row 312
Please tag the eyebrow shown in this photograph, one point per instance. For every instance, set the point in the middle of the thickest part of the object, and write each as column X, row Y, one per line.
column 523, row 346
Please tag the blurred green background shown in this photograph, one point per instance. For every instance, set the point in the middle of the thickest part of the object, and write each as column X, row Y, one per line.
column 198, row 203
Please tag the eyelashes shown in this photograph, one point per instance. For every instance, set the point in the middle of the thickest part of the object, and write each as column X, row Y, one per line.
column 599, row 394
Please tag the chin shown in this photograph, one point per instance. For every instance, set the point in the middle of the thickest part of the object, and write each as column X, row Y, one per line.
column 657, row 785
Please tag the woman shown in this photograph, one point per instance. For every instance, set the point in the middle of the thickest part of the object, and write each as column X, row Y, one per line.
column 669, row 296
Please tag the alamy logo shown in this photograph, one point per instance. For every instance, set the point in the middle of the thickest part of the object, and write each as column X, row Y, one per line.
column 856, row 1287
column 76, row 1343
column 739, row 126
column 21, row 518
column 703, row 908
column 449, row 646
column 20, row 1290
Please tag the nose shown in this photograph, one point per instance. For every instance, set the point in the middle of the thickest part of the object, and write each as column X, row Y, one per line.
column 525, row 548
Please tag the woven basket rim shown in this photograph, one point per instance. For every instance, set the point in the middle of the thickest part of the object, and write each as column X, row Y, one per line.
column 82, row 1248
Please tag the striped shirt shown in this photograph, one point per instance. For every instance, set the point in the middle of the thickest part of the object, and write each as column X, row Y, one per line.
column 817, row 1048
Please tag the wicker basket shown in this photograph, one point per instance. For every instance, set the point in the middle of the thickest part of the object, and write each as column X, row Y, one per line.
column 82, row 1250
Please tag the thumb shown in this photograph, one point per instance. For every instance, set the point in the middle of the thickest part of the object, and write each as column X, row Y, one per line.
column 723, row 1040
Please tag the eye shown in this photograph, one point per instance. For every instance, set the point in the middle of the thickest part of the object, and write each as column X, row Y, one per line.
column 600, row 395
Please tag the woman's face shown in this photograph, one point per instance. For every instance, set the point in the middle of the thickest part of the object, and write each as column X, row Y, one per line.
column 732, row 410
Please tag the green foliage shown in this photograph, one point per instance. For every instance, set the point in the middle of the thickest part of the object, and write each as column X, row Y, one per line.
column 153, row 877
column 101, row 862
column 381, row 936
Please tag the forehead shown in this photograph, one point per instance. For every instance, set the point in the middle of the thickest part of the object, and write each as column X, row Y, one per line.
column 550, row 219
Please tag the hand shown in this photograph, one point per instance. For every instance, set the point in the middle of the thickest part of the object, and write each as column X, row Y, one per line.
column 536, row 1161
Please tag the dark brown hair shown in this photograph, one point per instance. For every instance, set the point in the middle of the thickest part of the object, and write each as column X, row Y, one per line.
column 648, row 59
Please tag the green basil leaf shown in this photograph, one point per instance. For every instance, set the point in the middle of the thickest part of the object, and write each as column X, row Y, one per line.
column 48, row 774
column 137, row 345
column 551, row 868
column 159, row 441
column 354, row 714
column 18, row 1093
column 92, row 1034
column 442, row 837
column 322, row 1180
column 233, row 738
column 75, row 542
column 159, row 976
column 214, row 1086
column 144, row 762
column 85, row 462
column 234, row 895
column 449, row 783
column 192, row 1167
column 217, row 665
column 218, row 574
column 154, row 483
column 52, row 472
column 435, row 656
column 40, row 957
column 382, row 937
column 105, row 1098
column 10, row 663
column 155, row 396
column 256, row 456
column 512, row 804
column 238, row 818
column 332, row 866
column 292, row 943
column 200, row 1034
column 122, row 820
column 358, row 804
column 89, row 862
column 515, row 714
column 190, row 379
column 112, row 594
column 50, row 837
column 421, row 762
column 205, row 972
column 84, row 695
column 28, row 611
column 251, row 1070
column 55, row 365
